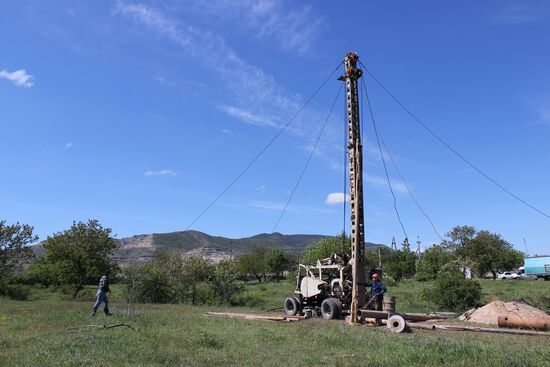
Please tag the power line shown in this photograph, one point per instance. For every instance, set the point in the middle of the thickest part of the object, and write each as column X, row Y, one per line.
column 408, row 189
column 262, row 151
column 468, row 162
column 378, row 133
column 308, row 160
column 383, row 160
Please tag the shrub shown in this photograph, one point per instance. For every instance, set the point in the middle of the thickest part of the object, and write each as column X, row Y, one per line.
column 326, row 247
column 205, row 294
column 40, row 273
column 224, row 276
column 452, row 292
column 16, row 292
column 431, row 262
column 153, row 285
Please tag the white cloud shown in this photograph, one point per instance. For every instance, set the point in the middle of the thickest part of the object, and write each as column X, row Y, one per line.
column 261, row 188
column 515, row 14
column 19, row 77
column 69, row 145
column 294, row 28
column 248, row 116
column 544, row 113
column 540, row 106
column 249, row 85
column 165, row 172
column 382, row 183
column 226, row 131
column 279, row 206
column 248, row 93
column 336, row 198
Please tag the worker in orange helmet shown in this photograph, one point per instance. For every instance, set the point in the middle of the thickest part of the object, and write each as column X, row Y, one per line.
column 377, row 291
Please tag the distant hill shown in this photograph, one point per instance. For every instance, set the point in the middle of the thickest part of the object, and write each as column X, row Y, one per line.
column 141, row 248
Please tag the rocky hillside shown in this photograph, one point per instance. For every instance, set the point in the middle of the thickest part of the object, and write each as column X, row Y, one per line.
column 141, row 248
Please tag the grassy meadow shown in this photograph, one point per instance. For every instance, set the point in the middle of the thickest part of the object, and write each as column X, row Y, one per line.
column 34, row 333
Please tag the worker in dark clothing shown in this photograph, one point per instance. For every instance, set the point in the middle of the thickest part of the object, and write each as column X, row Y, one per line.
column 102, row 296
column 377, row 291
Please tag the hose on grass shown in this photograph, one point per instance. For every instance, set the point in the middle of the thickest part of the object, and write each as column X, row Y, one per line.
column 79, row 329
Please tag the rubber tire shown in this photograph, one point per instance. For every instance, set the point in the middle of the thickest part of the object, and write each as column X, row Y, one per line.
column 331, row 309
column 300, row 305
column 291, row 306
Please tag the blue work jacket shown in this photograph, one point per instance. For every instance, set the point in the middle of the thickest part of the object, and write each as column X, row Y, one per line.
column 377, row 288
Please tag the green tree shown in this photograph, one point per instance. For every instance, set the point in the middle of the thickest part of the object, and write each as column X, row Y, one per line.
column 325, row 247
column 195, row 270
column 41, row 272
column 278, row 260
column 400, row 264
column 459, row 237
column 489, row 252
column 223, row 279
column 14, row 251
column 81, row 254
column 254, row 262
column 150, row 283
column 431, row 262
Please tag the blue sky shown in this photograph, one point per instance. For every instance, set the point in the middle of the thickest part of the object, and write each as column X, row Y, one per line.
column 140, row 113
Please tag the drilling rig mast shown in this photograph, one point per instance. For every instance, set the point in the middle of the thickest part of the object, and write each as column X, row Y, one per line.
column 355, row 154
column 325, row 287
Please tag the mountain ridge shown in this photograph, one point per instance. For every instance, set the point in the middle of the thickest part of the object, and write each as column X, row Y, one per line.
column 141, row 248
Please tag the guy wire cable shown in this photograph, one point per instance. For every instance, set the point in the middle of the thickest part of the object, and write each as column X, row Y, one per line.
column 384, row 164
column 262, row 151
column 308, row 159
column 403, row 178
column 454, row 151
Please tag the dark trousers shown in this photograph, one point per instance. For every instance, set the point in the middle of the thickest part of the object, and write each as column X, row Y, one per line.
column 379, row 302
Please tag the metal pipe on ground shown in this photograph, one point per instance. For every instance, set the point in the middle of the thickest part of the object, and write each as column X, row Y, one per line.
column 475, row 329
column 383, row 315
column 515, row 321
column 249, row 316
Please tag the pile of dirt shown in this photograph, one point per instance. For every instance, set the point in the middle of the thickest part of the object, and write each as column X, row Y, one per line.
column 489, row 313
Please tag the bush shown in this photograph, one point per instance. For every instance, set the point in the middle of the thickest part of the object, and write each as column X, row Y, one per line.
column 153, row 285
column 431, row 262
column 39, row 273
column 16, row 292
column 224, row 276
column 205, row 294
column 451, row 292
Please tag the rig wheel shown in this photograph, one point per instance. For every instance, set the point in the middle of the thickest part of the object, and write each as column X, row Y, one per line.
column 291, row 306
column 331, row 309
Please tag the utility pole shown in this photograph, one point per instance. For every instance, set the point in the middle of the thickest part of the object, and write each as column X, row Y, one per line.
column 355, row 155
column 418, row 242
column 406, row 246
column 393, row 245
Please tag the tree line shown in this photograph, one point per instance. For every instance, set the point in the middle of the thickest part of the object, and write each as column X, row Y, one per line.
column 81, row 254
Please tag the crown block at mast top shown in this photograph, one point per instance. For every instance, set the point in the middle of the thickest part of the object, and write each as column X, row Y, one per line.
column 350, row 63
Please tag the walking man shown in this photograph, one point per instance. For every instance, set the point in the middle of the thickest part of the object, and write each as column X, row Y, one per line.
column 102, row 296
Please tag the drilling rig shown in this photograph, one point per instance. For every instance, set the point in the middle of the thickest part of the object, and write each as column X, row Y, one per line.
column 328, row 285
column 355, row 157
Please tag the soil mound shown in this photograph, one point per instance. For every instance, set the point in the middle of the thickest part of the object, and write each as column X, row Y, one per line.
column 489, row 313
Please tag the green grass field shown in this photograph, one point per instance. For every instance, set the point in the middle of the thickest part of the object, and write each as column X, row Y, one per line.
column 34, row 333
